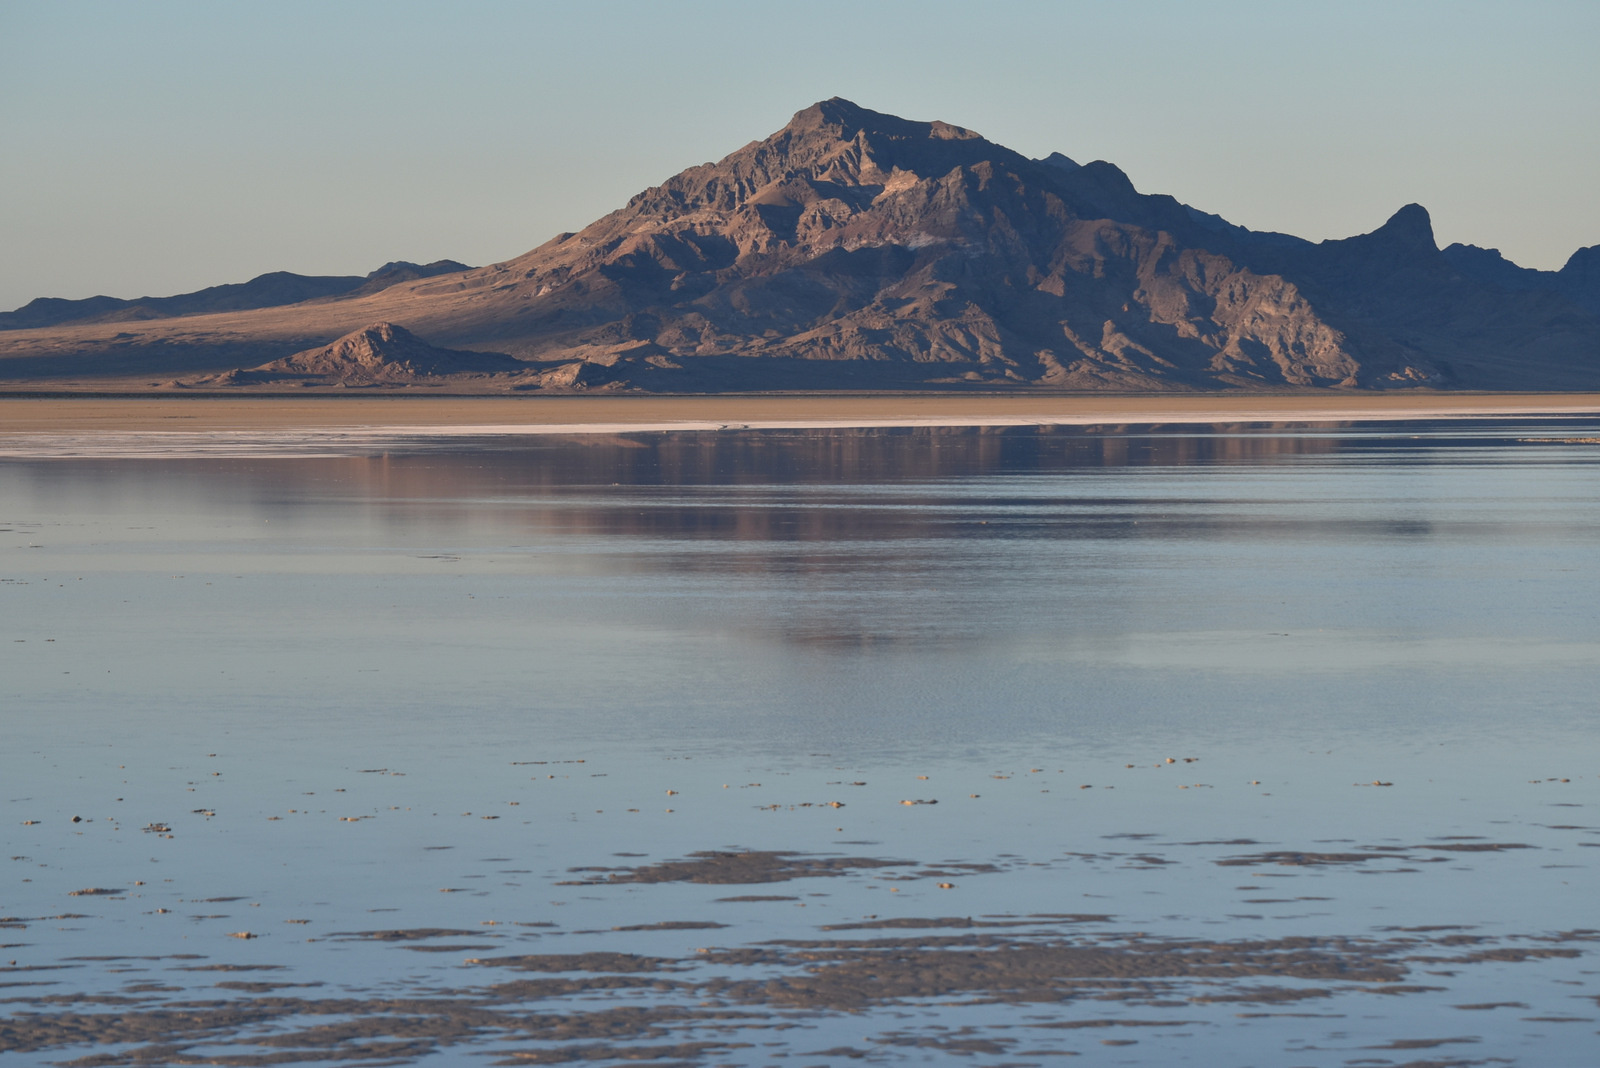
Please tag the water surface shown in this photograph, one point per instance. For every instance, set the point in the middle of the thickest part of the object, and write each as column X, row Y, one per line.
column 1293, row 726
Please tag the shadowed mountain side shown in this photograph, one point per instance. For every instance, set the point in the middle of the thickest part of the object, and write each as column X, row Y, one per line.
column 1578, row 280
column 1399, row 299
column 858, row 250
column 264, row 291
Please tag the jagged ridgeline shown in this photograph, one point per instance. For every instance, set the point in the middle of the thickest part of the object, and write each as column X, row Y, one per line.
column 857, row 250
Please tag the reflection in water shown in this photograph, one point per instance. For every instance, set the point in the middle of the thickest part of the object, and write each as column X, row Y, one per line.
column 765, row 485
column 907, row 454
column 877, row 538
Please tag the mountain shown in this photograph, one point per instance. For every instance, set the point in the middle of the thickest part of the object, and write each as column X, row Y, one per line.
column 857, row 250
column 380, row 354
column 853, row 248
column 1400, row 303
column 1579, row 280
column 263, row 291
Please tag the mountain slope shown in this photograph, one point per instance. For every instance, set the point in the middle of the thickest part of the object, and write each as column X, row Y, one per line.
column 264, row 291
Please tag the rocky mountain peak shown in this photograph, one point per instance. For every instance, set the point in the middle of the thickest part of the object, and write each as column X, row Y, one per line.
column 846, row 120
column 1404, row 242
column 837, row 140
column 1584, row 263
column 1411, row 226
column 1580, row 278
column 377, row 339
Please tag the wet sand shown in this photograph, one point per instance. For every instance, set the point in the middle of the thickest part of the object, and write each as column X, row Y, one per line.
column 711, row 980
column 575, row 414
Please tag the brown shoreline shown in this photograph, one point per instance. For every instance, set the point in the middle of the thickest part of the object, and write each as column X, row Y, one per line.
column 44, row 414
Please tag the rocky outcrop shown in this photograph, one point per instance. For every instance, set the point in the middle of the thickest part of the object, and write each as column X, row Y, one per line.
column 381, row 354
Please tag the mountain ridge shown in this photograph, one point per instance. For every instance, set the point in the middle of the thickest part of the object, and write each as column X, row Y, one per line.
column 852, row 249
column 272, row 289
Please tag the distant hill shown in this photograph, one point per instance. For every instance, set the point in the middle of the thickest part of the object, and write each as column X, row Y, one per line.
column 264, row 291
column 857, row 250
column 380, row 354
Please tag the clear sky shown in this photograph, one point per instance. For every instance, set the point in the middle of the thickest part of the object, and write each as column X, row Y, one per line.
column 158, row 147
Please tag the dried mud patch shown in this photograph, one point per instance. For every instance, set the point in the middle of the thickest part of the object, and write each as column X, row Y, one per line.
column 903, row 923
column 849, row 976
column 1291, row 858
column 667, row 1056
column 734, row 867
column 1297, row 859
column 716, row 1001
column 579, row 962
column 413, row 934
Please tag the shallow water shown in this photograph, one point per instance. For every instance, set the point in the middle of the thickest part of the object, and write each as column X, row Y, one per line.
column 1225, row 694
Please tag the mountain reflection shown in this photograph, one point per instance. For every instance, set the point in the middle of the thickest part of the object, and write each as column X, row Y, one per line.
column 777, row 486
column 815, row 486
column 873, row 454
column 861, row 538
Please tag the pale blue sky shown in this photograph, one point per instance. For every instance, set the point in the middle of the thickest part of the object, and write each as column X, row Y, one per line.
column 159, row 147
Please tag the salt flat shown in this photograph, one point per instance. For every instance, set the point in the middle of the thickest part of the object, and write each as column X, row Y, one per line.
column 610, row 414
